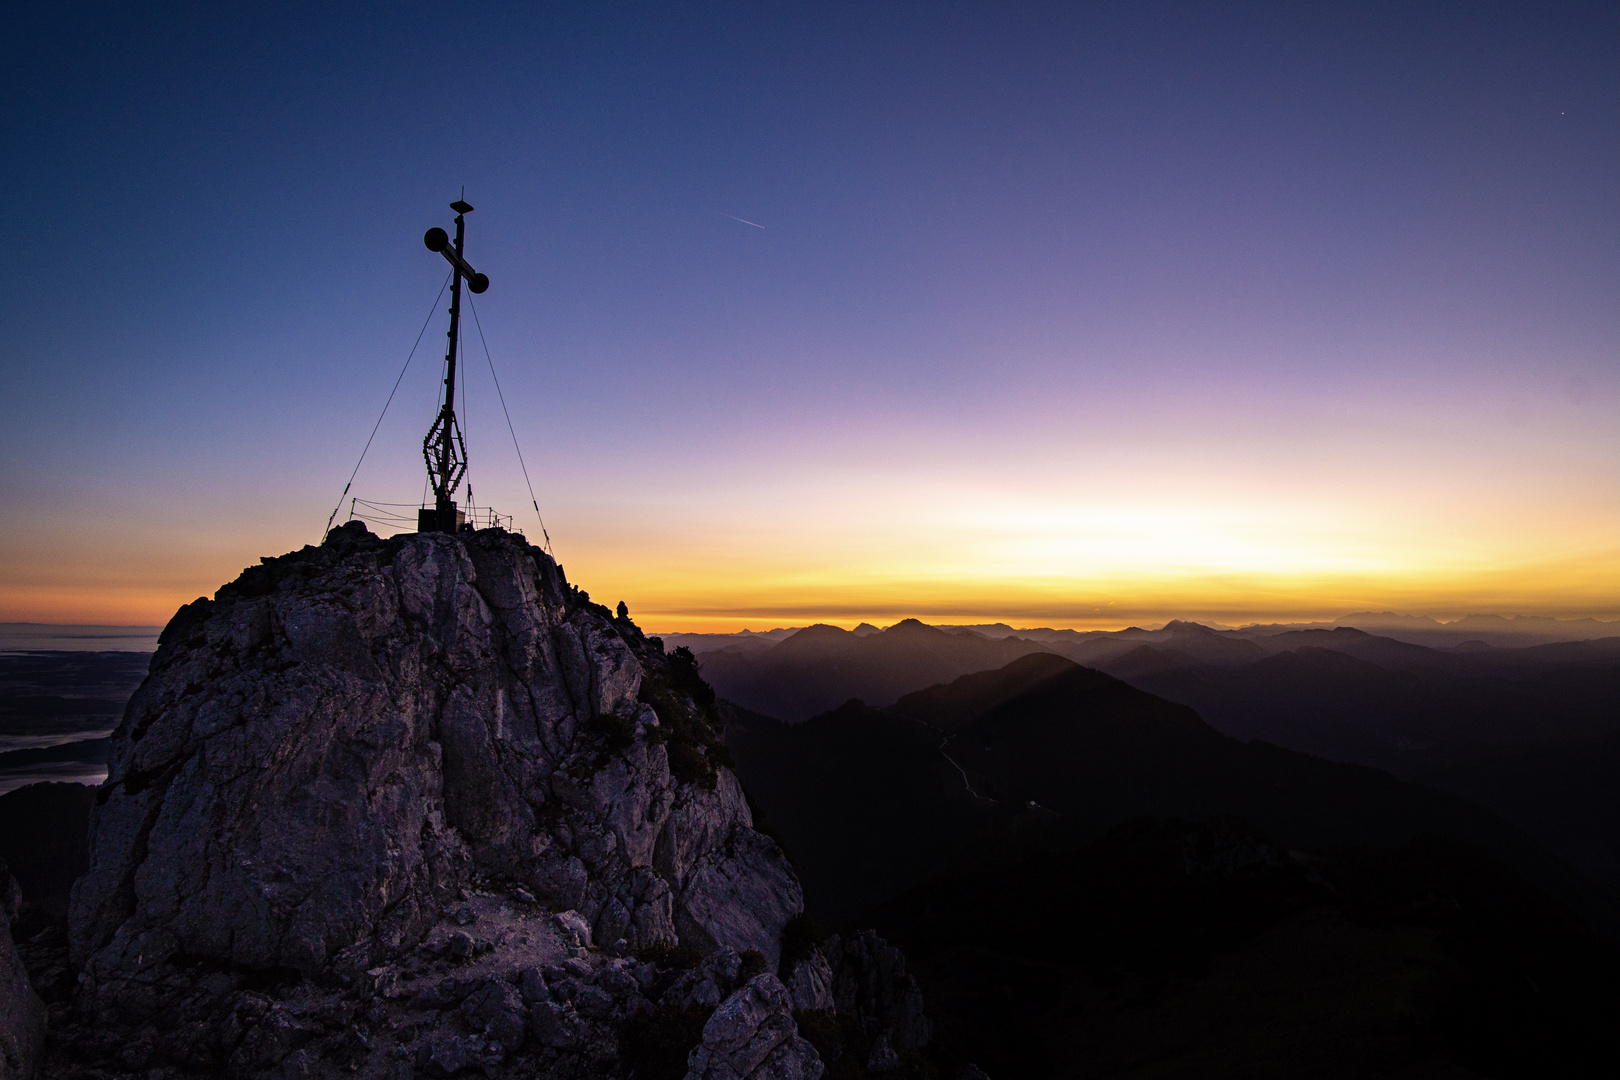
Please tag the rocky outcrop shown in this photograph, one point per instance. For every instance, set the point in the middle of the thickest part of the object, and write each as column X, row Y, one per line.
column 414, row 807
column 22, row 1014
column 870, row 983
column 809, row 984
column 752, row 1036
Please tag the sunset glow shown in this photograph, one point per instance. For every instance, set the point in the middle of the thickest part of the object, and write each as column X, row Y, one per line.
column 1035, row 333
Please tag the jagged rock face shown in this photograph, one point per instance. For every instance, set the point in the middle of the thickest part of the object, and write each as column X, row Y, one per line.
column 416, row 808
column 870, row 982
column 22, row 1014
column 751, row 1036
column 809, row 984
column 326, row 757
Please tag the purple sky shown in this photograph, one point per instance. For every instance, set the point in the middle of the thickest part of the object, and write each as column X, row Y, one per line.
column 1057, row 310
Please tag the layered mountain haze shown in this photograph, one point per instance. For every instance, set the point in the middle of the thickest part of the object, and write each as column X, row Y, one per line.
column 949, row 706
column 1514, row 631
column 1520, row 729
column 867, row 798
column 996, row 826
column 822, row 666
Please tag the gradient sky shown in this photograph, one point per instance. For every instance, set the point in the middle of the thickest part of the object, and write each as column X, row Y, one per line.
column 1061, row 313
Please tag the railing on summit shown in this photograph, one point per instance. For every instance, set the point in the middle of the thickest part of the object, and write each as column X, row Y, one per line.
column 402, row 517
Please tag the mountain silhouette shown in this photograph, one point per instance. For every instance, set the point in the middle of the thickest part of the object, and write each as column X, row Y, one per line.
column 1521, row 731
column 952, row 705
column 822, row 666
column 1088, row 879
column 871, row 801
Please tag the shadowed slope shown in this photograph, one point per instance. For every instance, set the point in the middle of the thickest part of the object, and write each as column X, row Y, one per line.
column 1523, row 731
column 1175, row 949
column 870, row 799
column 1359, row 926
column 951, row 705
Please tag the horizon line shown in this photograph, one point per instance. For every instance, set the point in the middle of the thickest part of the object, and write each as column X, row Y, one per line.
column 868, row 618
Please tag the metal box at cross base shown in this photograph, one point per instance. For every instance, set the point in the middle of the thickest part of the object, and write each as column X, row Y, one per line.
column 431, row 519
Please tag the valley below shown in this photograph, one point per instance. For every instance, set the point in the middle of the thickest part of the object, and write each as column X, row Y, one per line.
column 1322, row 851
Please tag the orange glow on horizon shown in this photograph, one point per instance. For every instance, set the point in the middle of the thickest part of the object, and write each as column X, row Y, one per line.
column 843, row 551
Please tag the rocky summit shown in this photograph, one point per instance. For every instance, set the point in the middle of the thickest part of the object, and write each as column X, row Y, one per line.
column 418, row 807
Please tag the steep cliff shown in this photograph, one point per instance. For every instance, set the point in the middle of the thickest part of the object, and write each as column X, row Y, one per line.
column 414, row 806
column 22, row 1015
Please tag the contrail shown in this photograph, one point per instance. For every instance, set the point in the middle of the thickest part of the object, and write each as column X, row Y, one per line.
column 745, row 221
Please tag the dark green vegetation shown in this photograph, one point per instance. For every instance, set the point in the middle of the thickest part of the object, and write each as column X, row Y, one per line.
column 844, row 1046
column 665, row 955
column 1056, row 933
column 690, row 733
column 800, row 937
column 656, row 1042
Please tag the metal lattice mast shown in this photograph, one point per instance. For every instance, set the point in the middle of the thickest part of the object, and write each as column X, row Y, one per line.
column 444, row 449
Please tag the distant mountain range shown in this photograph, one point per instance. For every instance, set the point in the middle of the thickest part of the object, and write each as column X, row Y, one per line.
column 820, row 667
column 1513, row 631
column 1532, row 732
column 872, row 799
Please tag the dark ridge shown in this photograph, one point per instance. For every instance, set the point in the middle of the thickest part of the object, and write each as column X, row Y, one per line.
column 951, row 705
column 872, row 801
column 44, row 836
column 1193, row 949
column 820, row 667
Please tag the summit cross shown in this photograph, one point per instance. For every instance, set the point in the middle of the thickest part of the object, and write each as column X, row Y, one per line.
column 444, row 449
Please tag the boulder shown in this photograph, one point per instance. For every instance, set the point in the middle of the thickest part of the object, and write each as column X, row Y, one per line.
column 809, row 984
column 752, row 1036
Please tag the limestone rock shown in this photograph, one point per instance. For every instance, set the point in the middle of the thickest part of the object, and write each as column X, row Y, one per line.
column 375, row 807
column 495, row 1010
column 870, row 983
column 742, row 894
column 809, row 984
column 22, row 1014
column 752, row 1036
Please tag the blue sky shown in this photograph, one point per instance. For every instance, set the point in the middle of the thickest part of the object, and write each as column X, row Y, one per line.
column 1181, row 308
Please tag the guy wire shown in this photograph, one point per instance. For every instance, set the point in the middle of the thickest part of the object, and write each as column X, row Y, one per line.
column 390, row 401
column 532, row 500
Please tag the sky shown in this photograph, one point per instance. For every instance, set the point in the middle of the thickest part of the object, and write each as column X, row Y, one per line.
column 1063, row 314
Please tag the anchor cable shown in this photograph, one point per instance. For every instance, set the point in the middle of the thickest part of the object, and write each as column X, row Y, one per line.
column 390, row 400
column 532, row 500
